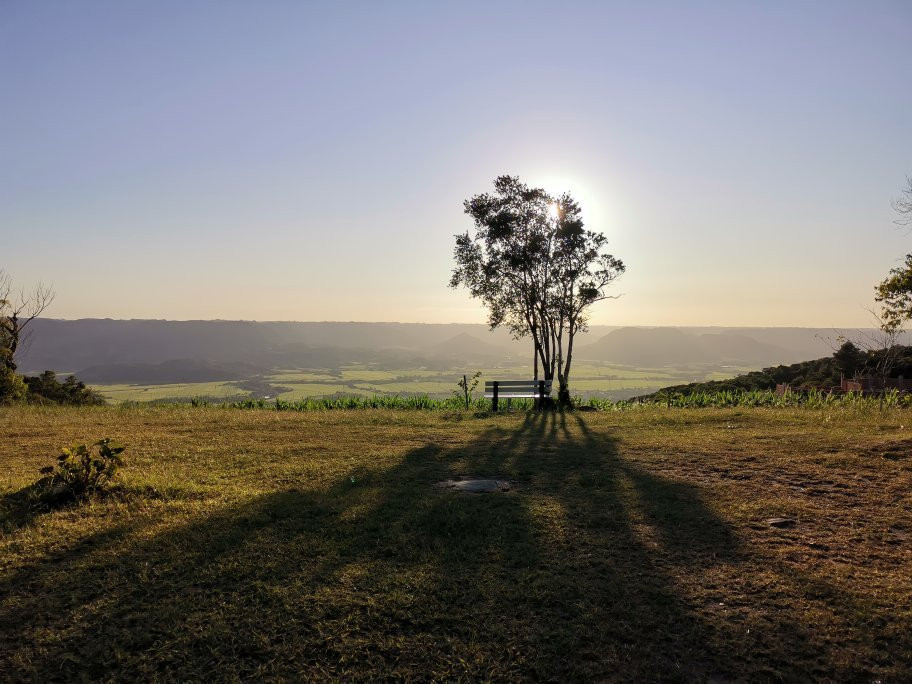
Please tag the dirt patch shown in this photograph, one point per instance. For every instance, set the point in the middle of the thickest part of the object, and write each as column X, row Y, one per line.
column 892, row 451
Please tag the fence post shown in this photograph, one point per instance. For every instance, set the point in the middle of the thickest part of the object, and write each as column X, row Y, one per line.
column 494, row 398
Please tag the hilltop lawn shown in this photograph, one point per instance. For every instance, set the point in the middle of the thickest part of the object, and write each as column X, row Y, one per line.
column 263, row 544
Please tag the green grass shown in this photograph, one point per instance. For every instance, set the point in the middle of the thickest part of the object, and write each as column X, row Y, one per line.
column 301, row 376
column 120, row 393
column 311, row 545
column 300, row 390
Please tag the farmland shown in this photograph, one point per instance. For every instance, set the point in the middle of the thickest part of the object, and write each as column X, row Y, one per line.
column 633, row 545
column 590, row 380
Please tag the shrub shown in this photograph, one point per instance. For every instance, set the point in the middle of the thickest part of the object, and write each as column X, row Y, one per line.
column 83, row 470
column 12, row 388
column 466, row 389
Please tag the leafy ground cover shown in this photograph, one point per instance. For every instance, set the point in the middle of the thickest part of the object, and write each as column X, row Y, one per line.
column 635, row 546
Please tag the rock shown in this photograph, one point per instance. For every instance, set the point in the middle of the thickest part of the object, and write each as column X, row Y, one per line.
column 781, row 522
column 476, row 485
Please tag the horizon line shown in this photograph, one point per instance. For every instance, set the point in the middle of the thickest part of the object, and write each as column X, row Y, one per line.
column 353, row 322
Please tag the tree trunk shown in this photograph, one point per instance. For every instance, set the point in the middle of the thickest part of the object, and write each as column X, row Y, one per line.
column 13, row 330
column 563, row 395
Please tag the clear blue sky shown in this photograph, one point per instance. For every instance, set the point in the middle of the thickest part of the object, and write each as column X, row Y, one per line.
column 307, row 161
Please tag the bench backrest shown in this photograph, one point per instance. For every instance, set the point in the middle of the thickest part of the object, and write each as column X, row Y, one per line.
column 516, row 389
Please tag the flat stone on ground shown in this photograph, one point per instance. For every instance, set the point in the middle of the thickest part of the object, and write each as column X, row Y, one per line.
column 476, row 485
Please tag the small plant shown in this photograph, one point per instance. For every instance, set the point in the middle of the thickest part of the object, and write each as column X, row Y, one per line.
column 82, row 470
column 467, row 388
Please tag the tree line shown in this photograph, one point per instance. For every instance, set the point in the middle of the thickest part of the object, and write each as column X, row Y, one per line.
column 18, row 308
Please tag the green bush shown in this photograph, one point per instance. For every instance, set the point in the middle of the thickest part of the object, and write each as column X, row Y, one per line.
column 83, row 470
column 12, row 387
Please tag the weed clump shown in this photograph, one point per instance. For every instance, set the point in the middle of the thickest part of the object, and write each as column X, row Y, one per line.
column 82, row 470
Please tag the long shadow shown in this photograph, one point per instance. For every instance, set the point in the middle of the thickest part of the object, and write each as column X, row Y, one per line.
column 573, row 575
column 22, row 507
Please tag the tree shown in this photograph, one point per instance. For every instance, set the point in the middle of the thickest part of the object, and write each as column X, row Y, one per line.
column 46, row 387
column 850, row 360
column 883, row 348
column 17, row 311
column 895, row 292
column 903, row 205
column 536, row 268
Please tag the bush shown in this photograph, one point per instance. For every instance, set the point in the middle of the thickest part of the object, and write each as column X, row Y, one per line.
column 83, row 470
column 12, row 388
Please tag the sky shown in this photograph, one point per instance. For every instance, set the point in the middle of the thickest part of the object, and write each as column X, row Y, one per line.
column 308, row 161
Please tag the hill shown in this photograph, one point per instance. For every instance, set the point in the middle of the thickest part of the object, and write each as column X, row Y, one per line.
column 177, row 371
column 651, row 347
column 467, row 348
column 645, row 347
column 740, row 349
column 825, row 372
column 67, row 346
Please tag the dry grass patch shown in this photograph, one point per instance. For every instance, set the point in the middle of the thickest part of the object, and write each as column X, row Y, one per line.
column 314, row 545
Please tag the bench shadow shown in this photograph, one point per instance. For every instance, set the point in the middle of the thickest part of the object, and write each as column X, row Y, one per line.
column 570, row 576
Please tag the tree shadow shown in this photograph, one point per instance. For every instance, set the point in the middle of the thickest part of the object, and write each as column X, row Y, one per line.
column 573, row 575
column 22, row 507
column 26, row 505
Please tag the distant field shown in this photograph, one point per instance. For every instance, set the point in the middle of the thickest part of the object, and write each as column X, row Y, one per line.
column 119, row 393
column 302, row 390
column 588, row 380
column 635, row 546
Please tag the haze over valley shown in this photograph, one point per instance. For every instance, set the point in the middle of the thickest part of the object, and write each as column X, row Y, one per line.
column 178, row 360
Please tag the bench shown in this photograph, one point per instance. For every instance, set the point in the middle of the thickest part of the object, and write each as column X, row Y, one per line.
column 496, row 390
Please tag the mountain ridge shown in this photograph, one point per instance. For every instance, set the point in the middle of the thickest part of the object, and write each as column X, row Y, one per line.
column 63, row 345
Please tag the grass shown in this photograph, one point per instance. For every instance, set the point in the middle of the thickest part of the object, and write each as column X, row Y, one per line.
column 120, row 393
column 299, row 390
column 281, row 544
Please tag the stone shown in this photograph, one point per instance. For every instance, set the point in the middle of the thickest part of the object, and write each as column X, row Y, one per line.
column 781, row 522
column 477, row 485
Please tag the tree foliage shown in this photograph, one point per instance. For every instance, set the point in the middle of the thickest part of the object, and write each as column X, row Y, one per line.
column 895, row 292
column 536, row 269
column 71, row 391
column 849, row 359
column 12, row 388
column 17, row 311
column 823, row 373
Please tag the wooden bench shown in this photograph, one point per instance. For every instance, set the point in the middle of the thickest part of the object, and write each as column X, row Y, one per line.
column 496, row 390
